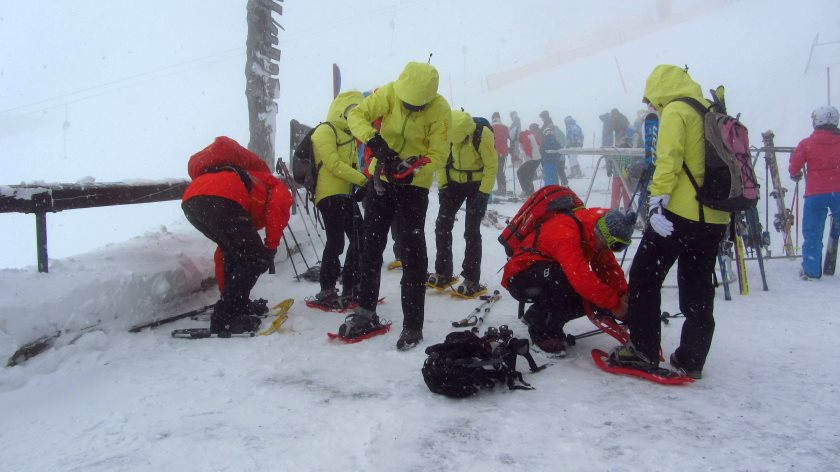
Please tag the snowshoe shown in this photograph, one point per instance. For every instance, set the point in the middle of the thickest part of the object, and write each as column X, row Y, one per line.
column 441, row 282
column 625, row 360
column 409, row 338
column 359, row 325
column 470, row 289
column 395, row 265
column 326, row 300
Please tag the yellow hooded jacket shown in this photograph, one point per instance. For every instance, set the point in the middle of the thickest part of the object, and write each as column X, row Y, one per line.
column 408, row 133
column 680, row 140
column 336, row 151
column 466, row 158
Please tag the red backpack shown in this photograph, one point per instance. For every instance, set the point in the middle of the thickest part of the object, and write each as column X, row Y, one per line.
column 542, row 205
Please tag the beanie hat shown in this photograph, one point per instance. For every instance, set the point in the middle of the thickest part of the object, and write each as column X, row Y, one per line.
column 616, row 226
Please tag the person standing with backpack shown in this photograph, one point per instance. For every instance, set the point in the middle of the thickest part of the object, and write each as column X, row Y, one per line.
column 679, row 230
column 565, row 266
column 411, row 144
column 574, row 137
column 233, row 195
column 468, row 176
column 527, row 172
column 819, row 155
column 553, row 161
column 335, row 153
column 501, row 135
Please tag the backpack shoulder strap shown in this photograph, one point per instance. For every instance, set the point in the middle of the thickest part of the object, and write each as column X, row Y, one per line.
column 476, row 140
column 694, row 104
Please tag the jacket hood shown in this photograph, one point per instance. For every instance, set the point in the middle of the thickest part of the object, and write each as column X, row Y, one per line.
column 339, row 105
column 418, row 84
column 462, row 126
column 668, row 82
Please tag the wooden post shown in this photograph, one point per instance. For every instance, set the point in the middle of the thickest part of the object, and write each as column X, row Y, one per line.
column 41, row 241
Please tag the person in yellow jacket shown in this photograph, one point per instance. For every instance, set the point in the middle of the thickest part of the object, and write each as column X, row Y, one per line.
column 411, row 143
column 469, row 174
column 335, row 154
column 677, row 231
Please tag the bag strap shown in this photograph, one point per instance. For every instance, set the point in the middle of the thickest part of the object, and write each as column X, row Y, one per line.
column 699, row 108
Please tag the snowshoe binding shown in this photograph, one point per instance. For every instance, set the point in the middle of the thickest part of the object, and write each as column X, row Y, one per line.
column 395, row 265
column 359, row 325
column 327, row 300
column 625, row 360
column 469, row 289
column 441, row 282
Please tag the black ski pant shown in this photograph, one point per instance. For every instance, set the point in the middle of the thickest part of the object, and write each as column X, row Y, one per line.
column 245, row 256
column 501, row 178
column 526, row 173
column 407, row 205
column 341, row 217
column 694, row 246
column 451, row 198
column 555, row 301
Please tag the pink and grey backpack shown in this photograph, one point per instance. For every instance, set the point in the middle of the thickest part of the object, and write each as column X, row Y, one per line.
column 729, row 183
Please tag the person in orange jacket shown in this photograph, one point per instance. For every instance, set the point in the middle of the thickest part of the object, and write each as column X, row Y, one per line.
column 567, row 269
column 233, row 195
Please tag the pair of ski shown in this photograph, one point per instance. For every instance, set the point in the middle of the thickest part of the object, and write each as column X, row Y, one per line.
column 618, row 331
column 279, row 314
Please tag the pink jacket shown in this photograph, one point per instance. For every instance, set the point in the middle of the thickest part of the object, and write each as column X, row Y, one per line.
column 820, row 155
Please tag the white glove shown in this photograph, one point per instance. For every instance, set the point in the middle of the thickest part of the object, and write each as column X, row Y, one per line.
column 656, row 216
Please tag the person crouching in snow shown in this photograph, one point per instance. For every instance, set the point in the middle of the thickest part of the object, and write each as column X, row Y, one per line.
column 468, row 176
column 233, row 195
column 567, row 269
column 336, row 158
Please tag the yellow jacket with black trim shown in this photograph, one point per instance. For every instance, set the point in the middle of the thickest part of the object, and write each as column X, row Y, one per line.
column 408, row 133
column 335, row 152
column 680, row 140
column 465, row 158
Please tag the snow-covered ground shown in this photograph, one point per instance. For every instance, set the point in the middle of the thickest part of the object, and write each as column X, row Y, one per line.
column 110, row 400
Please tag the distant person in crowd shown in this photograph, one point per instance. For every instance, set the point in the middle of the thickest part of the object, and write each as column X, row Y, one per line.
column 574, row 139
column 817, row 157
column 501, row 134
column 514, row 132
column 233, row 194
column 678, row 230
column 338, row 175
column 567, row 269
column 415, row 121
column 467, row 177
column 529, row 140
column 551, row 150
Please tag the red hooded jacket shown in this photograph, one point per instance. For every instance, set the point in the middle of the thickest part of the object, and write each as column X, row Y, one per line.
column 820, row 153
column 595, row 275
column 267, row 202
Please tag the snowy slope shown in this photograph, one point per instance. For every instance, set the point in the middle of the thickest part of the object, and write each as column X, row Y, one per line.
column 293, row 401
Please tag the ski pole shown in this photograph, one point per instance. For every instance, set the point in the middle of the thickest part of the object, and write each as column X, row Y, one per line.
column 289, row 252
column 479, row 313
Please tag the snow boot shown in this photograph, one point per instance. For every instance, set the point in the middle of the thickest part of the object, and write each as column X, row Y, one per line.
column 409, row 338
column 360, row 322
column 695, row 374
column 441, row 282
column 327, row 300
column 628, row 357
column 470, row 289
column 258, row 307
column 235, row 325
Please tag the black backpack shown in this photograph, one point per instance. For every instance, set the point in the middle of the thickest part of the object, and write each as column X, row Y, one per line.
column 304, row 169
column 464, row 363
column 480, row 124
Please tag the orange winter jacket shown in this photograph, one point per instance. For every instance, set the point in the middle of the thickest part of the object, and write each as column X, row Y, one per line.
column 214, row 173
column 595, row 275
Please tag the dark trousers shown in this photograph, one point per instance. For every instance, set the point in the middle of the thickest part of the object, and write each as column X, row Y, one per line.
column 526, row 173
column 694, row 246
column 555, row 302
column 407, row 205
column 341, row 217
column 501, row 178
column 245, row 256
column 451, row 198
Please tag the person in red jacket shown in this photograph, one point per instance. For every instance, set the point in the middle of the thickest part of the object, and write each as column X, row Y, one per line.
column 567, row 269
column 819, row 155
column 501, row 134
column 233, row 195
column 529, row 140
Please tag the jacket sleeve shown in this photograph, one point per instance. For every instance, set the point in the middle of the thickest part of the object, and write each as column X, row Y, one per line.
column 797, row 160
column 277, row 213
column 564, row 246
column 438, row 137
column 609, row 270
column 326, row 150
column 489, row 160
column 670, row 152
column 361, row 118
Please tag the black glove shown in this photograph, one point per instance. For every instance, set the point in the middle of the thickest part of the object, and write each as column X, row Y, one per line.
column 360, row 193
column 381, row 150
